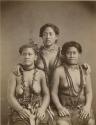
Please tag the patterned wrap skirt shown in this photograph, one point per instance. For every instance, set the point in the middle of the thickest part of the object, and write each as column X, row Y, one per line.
column 74, row 118
column 14, row 117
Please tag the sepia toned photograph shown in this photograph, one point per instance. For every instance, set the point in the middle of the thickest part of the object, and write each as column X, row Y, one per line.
column 48, row 62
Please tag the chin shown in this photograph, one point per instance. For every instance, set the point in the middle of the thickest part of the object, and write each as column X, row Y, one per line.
column 28, row 64
column 49, row 44
column 72, row 63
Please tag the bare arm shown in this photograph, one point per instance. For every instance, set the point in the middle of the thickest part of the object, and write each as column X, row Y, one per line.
column 88, row 91
column 45, row 90
column 56, row 81
column 24, row 113
column 54, row 92
column 11, row 93
column 46, row 97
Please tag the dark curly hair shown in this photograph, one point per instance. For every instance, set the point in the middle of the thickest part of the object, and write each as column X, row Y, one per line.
column 71, row 44
column 29, row 45
column 54, row 27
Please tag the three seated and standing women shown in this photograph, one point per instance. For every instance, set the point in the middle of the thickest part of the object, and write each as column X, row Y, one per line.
column 40, row 74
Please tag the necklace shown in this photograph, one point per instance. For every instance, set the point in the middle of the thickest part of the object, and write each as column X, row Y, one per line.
column 23, row 81
column 26, row 68
column 73, row 67
column 25, row 98
column 72, row 90
column 51, row 49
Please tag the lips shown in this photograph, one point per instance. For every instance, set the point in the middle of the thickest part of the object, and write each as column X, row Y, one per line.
column 72, row 59
column 27, row 60
column 48, row 40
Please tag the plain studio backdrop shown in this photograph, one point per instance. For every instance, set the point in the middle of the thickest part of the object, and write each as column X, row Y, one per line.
column 21, row 22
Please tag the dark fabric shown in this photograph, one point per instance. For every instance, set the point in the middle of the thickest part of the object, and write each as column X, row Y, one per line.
column 74, row 118
column 15, row 119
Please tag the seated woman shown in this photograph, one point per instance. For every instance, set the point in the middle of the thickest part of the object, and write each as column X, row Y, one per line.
column 72, row 91
column 28, row 94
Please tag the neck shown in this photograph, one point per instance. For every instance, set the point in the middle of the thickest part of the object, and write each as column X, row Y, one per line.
column 72, row 66
column 50, row 47
column 28, row 67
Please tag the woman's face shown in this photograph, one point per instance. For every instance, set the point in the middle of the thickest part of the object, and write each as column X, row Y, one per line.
column 28, row 56
column 49, row 37
column 72, row 56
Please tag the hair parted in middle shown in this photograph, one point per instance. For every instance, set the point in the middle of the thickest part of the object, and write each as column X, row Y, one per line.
column 54, row 27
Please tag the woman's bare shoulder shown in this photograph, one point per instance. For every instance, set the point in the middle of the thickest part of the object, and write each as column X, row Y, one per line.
column 39, row 63
column 40, row 72
column 59, row 70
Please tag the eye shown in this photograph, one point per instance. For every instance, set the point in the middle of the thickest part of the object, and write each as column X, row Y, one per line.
column 30, row 54
column 50, row 34
column 74, row 52
column 24, row 54
column 44, row 34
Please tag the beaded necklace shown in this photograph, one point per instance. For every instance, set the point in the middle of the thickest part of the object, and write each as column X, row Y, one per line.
column 25, row 98
column 45, row 65
column 72, row 90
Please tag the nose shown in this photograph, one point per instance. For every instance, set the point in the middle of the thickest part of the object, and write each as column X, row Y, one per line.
column 26, row 56
column 71, row 55
column 48, row 35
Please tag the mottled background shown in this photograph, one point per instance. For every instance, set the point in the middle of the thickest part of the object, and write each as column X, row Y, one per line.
column 21, row 21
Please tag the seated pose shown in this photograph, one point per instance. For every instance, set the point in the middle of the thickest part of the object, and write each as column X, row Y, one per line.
column 72, row 91
column 28, row 94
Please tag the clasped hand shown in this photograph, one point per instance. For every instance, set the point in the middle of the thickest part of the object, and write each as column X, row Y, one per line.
column 63, row 112
column 25, row 114
column 41, row 114
column 85, row 112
